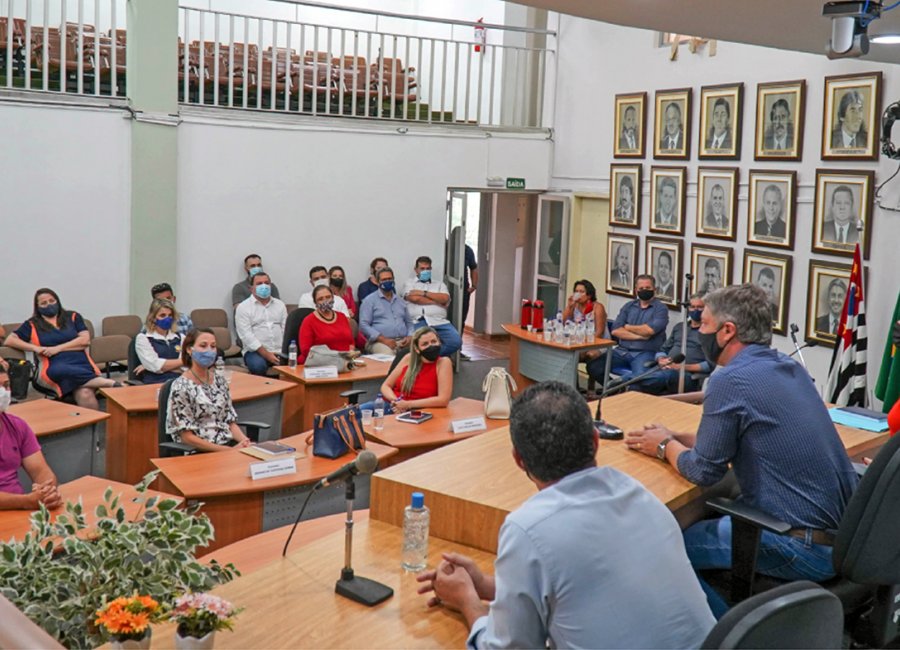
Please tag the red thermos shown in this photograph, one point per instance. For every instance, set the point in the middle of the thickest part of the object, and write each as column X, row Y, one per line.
column 525, row 317
column 537, row 316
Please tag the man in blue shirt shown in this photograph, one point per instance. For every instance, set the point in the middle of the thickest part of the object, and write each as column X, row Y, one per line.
column 641, row 330
column 593, row 560
column 665, row 382
column 383, row 317
column 762, row 416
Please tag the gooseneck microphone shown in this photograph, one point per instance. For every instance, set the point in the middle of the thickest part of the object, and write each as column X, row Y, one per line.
column 365, row 463
column 798, row 347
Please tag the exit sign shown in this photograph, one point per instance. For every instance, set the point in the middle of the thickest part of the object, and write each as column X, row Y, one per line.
column 515, row 183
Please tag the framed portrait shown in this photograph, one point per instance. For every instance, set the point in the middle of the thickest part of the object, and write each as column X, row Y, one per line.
column 631, row 123
column 672, row 124
column 622, row 262
column 717, row 198
column 711, row 267
column 772, row 208
column 851, row 117
column 828, row 285
column 664, row 264
column 625, row 195
column 771, row 272
column 667, row 199
column 780, row 113
column 721, row 118
column 843, row 214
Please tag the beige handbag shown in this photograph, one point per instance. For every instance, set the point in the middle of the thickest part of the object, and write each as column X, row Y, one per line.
column 498, row 387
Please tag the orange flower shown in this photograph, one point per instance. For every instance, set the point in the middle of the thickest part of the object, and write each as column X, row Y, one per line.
column 127, row 616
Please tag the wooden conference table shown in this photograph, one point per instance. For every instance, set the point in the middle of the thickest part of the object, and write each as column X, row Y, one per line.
column 131, row 434
column 240, row 507
column 533, row 360
column 307, row 397
column 471, row 486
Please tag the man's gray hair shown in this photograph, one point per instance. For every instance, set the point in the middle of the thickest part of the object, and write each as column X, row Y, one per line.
column 745, row 305
column 385, row 269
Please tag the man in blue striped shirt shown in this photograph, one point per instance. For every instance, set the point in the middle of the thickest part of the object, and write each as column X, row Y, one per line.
column 763, row 417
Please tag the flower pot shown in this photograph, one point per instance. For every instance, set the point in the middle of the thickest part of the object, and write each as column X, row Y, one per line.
column 193, row 643
column 133, row 644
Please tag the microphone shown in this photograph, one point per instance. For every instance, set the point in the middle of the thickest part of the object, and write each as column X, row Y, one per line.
column 609, row 431
column 365, row 463
column 797, row 347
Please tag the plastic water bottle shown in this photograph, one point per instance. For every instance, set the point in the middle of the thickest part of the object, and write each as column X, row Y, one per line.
column 558, row 334
column 568, row 332
column 220, row 367
column 589, row 328
column 548, row 330
column 416, row 518
column 579, row 333
column 292, row 355
column 378, row 413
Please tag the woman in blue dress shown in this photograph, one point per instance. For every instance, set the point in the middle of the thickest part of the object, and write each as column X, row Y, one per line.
column 60, row 341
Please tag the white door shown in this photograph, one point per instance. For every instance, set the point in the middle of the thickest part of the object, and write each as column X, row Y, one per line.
column 551, row 252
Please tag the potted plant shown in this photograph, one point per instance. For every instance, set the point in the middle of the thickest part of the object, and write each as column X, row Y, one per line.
column 127, row 621
column 199, row 617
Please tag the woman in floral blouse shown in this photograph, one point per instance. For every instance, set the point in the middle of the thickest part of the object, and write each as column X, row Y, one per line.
column 200, row 411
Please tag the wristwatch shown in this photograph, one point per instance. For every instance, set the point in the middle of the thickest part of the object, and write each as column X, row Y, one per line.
column 661, row 448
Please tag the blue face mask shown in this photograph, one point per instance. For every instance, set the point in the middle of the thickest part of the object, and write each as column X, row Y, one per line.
column 254, row 270
column 425, row 275
column 695, row 315
column 204, row 358
column 165, row 323
column 50, row 310
column 263, row 291
column 387, row 286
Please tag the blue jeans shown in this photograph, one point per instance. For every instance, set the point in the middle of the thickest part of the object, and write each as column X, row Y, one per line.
column 255, row 363
column 388, row 409
column 625, row 363
column 451, row 342
column 708, row 545
column 665, row 382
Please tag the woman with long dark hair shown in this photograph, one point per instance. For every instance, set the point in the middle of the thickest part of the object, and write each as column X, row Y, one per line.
column 423, row 378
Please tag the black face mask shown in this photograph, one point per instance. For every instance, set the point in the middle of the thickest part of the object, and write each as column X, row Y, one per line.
column 711, row 348
column 431, row 353
column 897, row 333
column 645, row 294
column 337, row 282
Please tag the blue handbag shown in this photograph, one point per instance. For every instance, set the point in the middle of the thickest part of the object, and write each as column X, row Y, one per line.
column 337, row 432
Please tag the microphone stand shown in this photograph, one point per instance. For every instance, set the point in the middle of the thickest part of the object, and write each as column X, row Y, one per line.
column 798, row 347
column 362, row 590
column 685, row 306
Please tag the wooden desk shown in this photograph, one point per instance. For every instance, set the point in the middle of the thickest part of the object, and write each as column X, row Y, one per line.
column 132, row 438
column 471, row 486
column 290, row 603
column 533, row 360
column 14, row 524
column 414, row 439
column 310, row 396
column 68, row 435
column 239, row 506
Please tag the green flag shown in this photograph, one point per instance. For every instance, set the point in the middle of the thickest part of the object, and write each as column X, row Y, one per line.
column 888, row 387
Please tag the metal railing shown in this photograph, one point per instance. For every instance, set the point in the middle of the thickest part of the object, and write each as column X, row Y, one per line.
column 290, row 66
column 67, row 46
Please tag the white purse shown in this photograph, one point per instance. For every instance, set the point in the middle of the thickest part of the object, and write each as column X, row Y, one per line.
column 498, row 387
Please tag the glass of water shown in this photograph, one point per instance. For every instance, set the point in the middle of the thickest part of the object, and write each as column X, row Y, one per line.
column 366, row 418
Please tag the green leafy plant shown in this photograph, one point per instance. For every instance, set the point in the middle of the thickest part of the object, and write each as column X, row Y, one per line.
column 153, row 555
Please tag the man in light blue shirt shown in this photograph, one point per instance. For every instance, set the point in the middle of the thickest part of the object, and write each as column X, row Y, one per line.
column 593, row 560
column 383, row 317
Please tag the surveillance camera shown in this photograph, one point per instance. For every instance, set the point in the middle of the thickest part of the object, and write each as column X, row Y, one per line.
column 849, row 23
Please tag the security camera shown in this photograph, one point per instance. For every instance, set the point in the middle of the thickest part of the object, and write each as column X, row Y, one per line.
column 849, row 24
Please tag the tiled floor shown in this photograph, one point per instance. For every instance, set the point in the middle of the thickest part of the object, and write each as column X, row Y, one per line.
column 481, row 346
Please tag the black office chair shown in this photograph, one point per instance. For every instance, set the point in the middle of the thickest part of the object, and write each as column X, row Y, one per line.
column 292, row 329
column 866, row 554
column 398, row 357
column 796, row 615
column 167, row 447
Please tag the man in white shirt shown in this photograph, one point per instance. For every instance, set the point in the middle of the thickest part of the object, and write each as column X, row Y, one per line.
column 319, row 275
column 259, row 321
column 427, row 302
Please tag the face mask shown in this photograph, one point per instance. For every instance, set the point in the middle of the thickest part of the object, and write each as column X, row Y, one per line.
column 204, row 358
column 710, row 345
column 263, row 291
column 387, row 286
column 164, row 323
column 50, row 310
column 325, row 307
column 645, row 294
column 5, row 399
column 425, row 275
column 321, row 282
column 578, row 295
column 695, row 315
column 897, row 334
column 338, row 282
column 254, row 270
column 431, row 353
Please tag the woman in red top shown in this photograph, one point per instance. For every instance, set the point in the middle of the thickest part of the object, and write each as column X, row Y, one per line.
column 423, row 378
column 339, row 287
column 894, row 418
column 582, row 302
column 325, row 326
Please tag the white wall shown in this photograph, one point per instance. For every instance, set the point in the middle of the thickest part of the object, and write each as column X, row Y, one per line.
column 64, row 220
column 301, row 197
column 590, row 74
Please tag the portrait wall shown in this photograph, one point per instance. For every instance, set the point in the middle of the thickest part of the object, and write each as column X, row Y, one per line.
column 850, row 123
column 630, row 125
column 672, row 124
column 622, row 262
column 771, row 272
column 717, row 198
column 771, row 213
column 664, row 264
column 711, row 267
column 625, row 195
column 843, row 212
column 721, row 119
column 667, row 198
column 780, row 115
column 828, row 285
